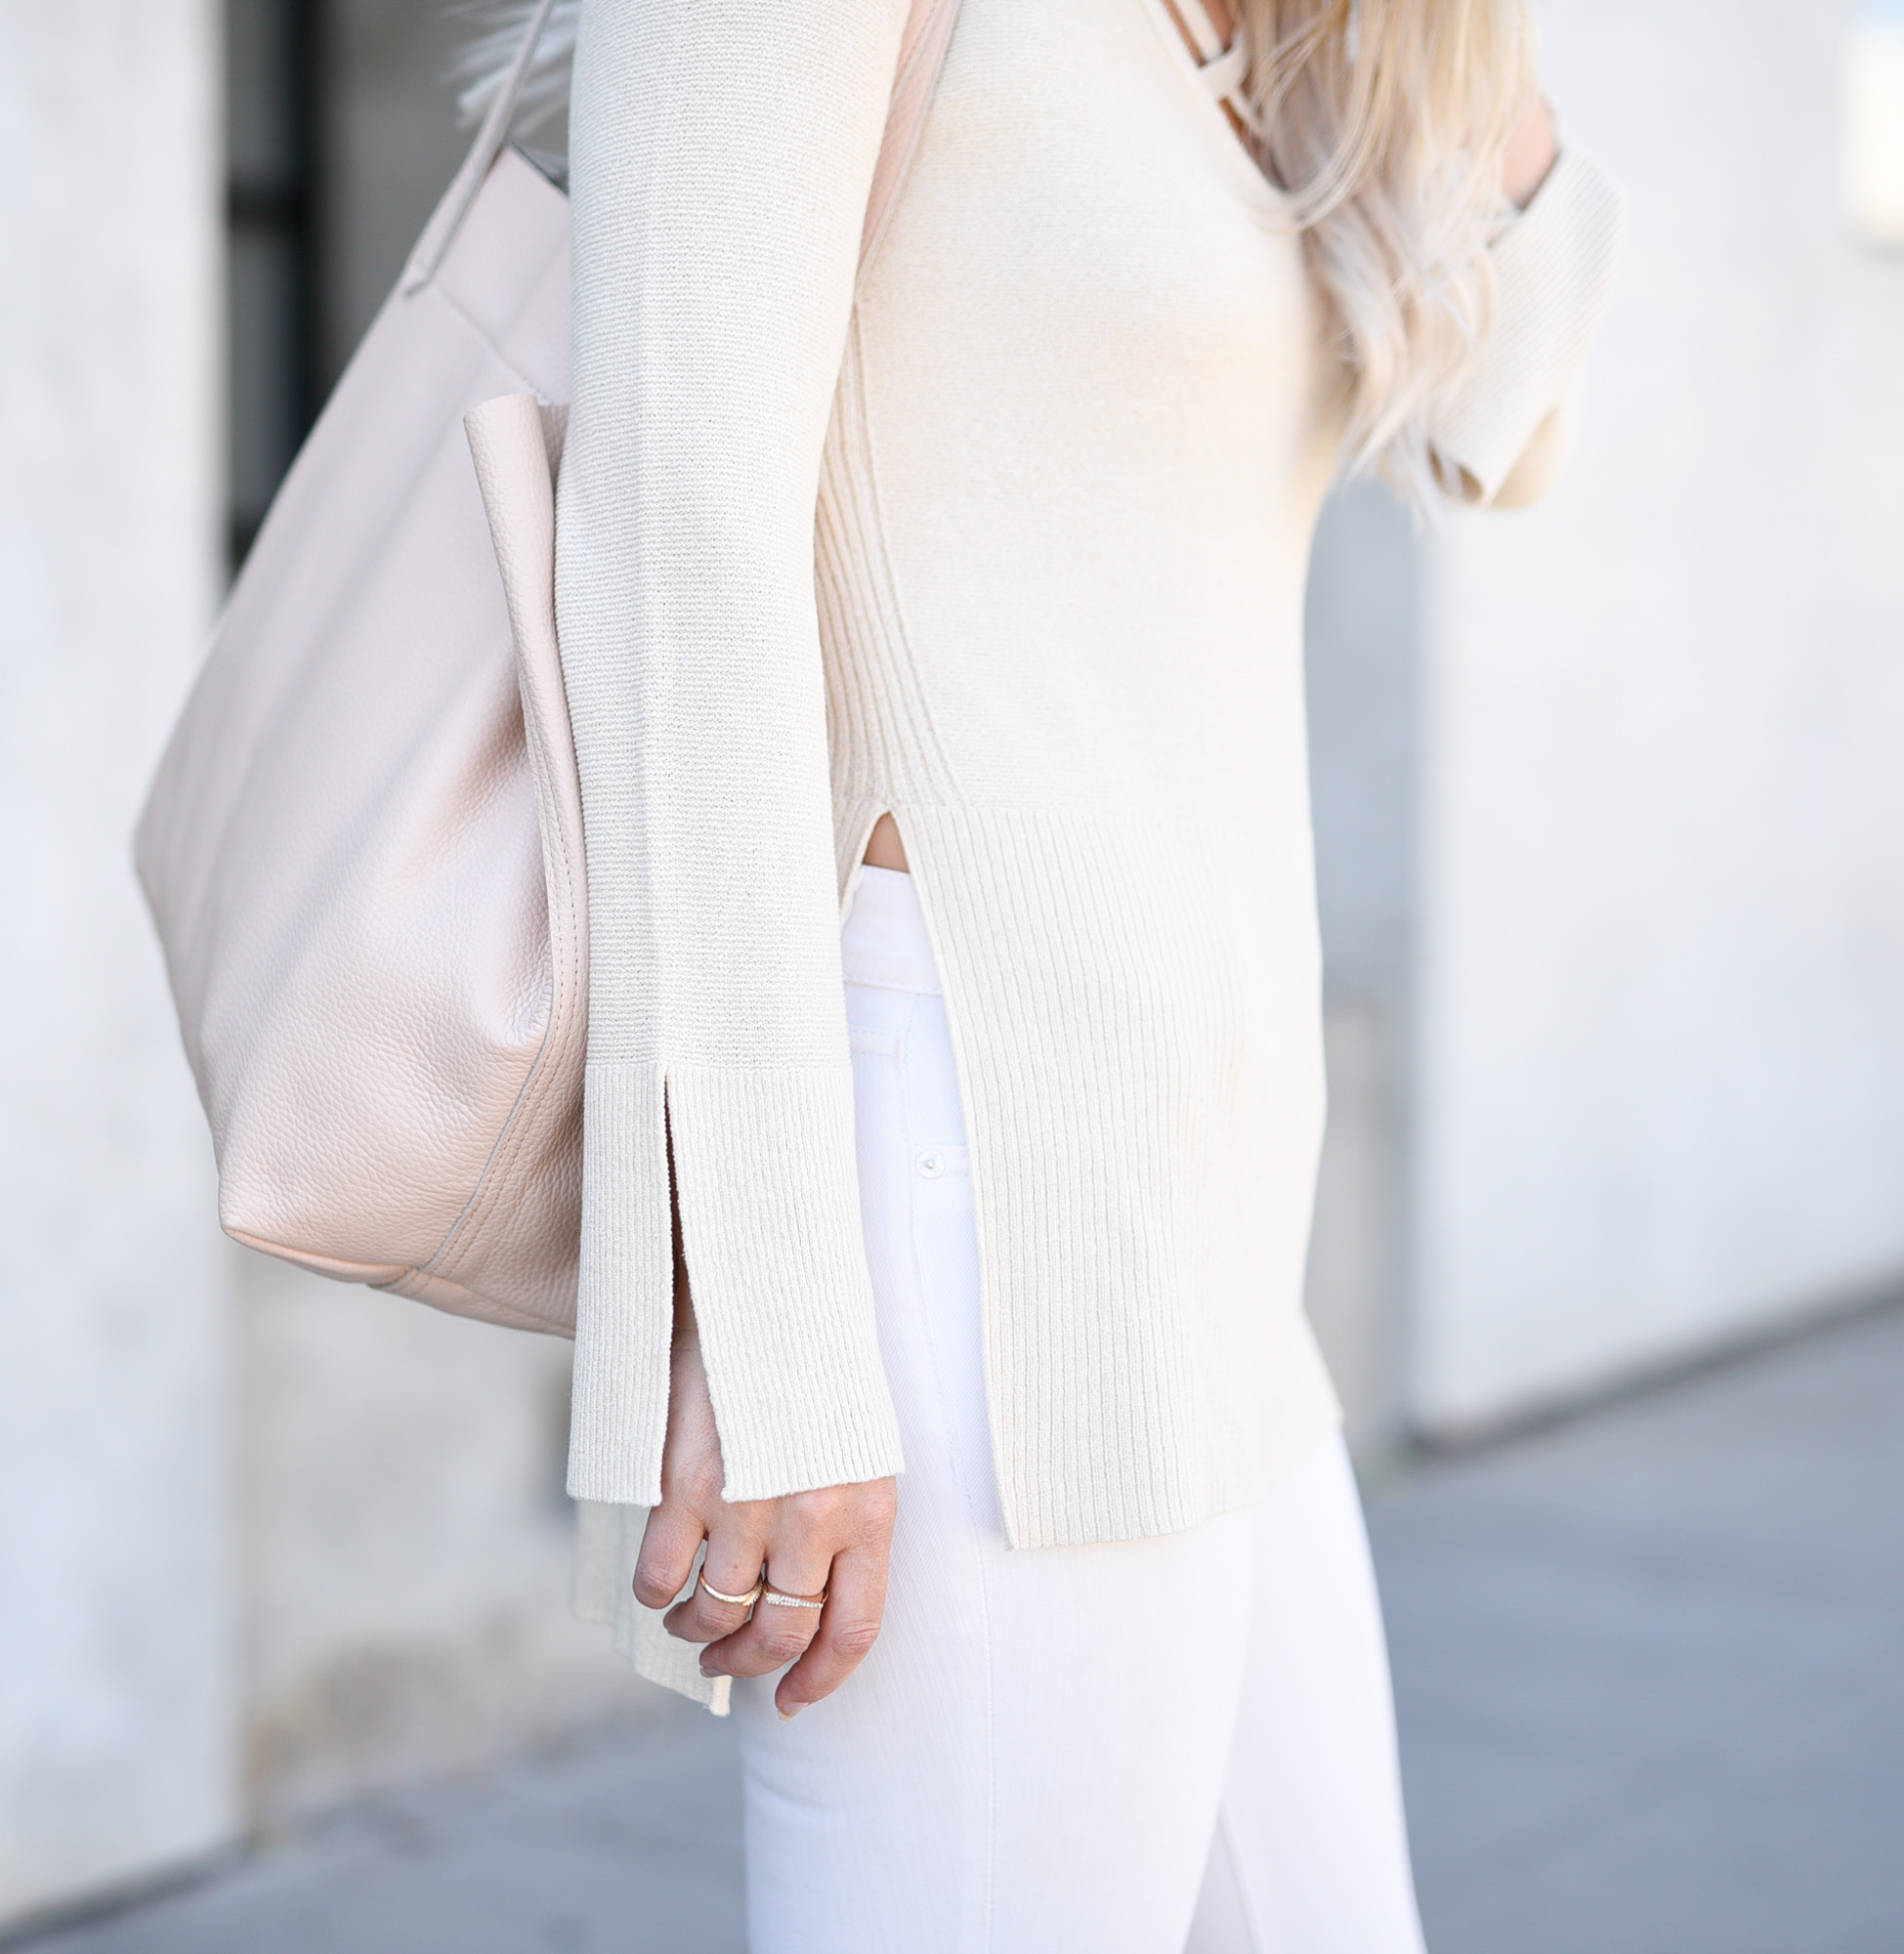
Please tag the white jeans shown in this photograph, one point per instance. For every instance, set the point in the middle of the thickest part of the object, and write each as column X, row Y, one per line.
column 1173, row 1746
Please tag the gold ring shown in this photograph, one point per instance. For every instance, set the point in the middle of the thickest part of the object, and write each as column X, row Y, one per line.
column 745, row 1601
column 775, row 1600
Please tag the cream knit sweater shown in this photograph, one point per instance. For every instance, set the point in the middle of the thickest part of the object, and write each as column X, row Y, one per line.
column 1013, row 547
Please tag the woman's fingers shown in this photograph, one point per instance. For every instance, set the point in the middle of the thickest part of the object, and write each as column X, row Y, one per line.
column 780, row 1630
column 824, row 1559
column 668, row 1545
column 848, row 1627
column 732, row 1568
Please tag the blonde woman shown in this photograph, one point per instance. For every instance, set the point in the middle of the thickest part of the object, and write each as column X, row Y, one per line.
column 941, row 1275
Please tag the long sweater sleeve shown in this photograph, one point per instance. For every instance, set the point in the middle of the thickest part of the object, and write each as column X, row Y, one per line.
column 722, row 153
column 1553, row 271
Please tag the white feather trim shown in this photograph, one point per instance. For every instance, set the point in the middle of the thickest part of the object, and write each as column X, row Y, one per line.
column 480, row 67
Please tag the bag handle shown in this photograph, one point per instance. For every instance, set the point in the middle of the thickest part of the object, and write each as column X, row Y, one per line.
column 922, row 55
column 447, row 217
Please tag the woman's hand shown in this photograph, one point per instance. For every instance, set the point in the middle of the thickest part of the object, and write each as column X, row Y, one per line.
column 1533, row 149
column 834, row 1541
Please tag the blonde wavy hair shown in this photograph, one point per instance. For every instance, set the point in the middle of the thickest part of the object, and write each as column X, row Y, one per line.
column 1385, row 121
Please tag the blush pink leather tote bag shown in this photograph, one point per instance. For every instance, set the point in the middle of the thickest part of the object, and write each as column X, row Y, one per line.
column 364, row 847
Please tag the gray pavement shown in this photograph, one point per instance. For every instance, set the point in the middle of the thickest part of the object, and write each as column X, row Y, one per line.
column 1650, row 1672
column 627, row 1842
column 1650, row 1668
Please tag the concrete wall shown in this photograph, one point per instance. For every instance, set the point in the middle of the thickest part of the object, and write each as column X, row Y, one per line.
column 264, row 1539
column 117, row 1701
column 1364, row 674
column 1662, row 1058
column 407, row 1544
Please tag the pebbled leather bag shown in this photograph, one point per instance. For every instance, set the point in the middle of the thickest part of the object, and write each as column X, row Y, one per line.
column 363, row 846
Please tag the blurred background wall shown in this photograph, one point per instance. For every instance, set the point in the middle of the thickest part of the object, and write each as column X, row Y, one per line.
column 1609, row 807
column 118, row 1707
column 1607, row 818
column 264, row 1539
column 1660, row 995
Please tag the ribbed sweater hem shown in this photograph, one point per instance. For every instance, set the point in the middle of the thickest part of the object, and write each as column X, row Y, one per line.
column 607, row 1544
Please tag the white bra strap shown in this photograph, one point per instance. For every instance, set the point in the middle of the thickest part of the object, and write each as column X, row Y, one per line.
column 1223, row 75
column 440, row 231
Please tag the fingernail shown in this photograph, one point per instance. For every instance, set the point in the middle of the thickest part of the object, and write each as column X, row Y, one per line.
column 787, row 1715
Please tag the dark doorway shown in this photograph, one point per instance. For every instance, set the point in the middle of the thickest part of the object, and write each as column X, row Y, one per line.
column 273, row 60
column 341, row 134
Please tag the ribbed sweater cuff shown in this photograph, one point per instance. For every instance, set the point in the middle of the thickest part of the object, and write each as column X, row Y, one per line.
column 1554, row 273
column 768, row 1189
column 769, row 1224
column 625, row 1304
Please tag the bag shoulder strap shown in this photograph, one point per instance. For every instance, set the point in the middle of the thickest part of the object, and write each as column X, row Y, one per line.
column 426, row 260
column 921, row 56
